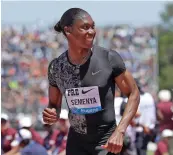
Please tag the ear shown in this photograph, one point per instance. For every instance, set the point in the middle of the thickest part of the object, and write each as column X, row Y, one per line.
column 67, row 30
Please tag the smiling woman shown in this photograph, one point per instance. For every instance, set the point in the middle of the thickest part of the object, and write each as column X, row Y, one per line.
column 86, row 75
column 78, row 27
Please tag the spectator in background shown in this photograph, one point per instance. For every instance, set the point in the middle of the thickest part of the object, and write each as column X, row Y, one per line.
column 50, row 138
column 64, row 128
column 26, row 123
column 118, row 100
column 55, row 140
column 7, row 133
column 162, row 145
column 26, row 146
column 129, row 138
column 164, row 112
column 145, row 123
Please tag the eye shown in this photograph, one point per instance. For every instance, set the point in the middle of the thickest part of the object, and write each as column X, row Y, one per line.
column 85, row 27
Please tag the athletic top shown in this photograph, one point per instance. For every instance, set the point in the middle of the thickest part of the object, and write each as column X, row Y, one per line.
column 95, row 80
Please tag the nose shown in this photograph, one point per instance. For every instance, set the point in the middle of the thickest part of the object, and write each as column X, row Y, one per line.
column 91, row 31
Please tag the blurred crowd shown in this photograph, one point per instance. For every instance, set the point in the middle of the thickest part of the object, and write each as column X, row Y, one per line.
column 26, row 54
column 25, row 140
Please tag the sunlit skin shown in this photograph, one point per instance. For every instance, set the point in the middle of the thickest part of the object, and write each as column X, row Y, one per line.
column 80, row 37
column 82, row 33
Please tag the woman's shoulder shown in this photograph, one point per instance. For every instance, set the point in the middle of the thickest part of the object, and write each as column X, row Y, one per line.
column 106, row 52
column 56, row 63
column 60, row 58
column 99, row 48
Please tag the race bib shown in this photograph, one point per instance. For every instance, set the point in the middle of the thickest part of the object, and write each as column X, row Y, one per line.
column 84, row 100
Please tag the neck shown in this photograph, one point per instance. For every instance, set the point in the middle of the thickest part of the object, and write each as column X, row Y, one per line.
column 76, row 54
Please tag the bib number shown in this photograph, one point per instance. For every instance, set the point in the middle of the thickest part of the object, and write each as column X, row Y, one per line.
column 84, row 100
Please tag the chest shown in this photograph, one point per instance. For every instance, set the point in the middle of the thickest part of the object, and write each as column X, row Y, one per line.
column 95, row 72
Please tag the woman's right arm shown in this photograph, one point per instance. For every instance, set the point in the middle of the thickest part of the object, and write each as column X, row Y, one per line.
column 55, row 98
column 52, row 112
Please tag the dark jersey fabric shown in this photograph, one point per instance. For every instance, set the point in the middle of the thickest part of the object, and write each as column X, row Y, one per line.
column 106, row 65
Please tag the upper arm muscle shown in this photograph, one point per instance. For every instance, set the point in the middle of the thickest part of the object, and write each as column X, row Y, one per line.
column 126, row 83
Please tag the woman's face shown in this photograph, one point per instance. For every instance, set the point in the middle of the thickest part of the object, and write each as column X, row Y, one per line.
column 83, row 32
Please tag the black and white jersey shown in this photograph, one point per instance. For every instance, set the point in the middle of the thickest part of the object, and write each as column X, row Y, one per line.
column 89, row 89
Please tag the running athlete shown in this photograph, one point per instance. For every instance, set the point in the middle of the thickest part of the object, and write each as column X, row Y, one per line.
column 86, row 75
